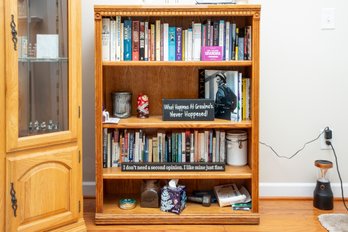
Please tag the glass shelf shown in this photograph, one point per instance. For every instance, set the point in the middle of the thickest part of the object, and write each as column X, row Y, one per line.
column 53, row 60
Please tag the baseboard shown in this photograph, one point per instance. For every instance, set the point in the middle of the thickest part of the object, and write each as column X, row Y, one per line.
column 296, row 189
column 88, row 188
column 266, row 189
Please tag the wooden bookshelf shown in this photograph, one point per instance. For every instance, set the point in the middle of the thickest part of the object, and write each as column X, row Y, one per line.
column 173, row 79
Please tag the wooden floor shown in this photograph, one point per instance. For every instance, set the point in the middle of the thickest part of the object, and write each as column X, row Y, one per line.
column 276, row 216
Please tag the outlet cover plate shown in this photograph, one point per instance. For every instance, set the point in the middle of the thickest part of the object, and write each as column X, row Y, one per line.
column 323, row 145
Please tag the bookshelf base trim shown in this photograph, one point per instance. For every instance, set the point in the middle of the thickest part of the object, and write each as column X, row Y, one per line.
column 168, row 218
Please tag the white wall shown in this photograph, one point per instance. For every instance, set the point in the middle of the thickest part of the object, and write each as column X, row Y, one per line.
column 303, row 88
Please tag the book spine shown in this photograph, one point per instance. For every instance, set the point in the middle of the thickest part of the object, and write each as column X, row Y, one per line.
column 192, row 148
column 187, row 146
column 217, row 147
column 196, row 41
column 222, row 147
column 105, row 144
column 158, row 40
column 160, row 146
column 135, row 40
column 142, row 41
column 179, row 149
column 152, row 42
column 184, row 45
column 227, row 43
column 216, row 33
column 118, row 38
column 196, row 148
column 165, row 41
column 161, row 43
column 122, row 41
column 171, row 43
column 173, row 154
column 189, row 44
column 108, row 154
column 222, row 37
column 169, row 144
column 203, row 35
column 127, row 50
column 249, row 41
column 241, row 44
column 233, row 40
column 209, row 42
column 147, row 39
column 210, row 150
column 106, row 39
column 113, row 39
column 178, row 44
column 155, row 149
column 239, row 97
column 248, row 101
column 236, row 48
column 244, row 98
column 146, row 149
column 150, row 149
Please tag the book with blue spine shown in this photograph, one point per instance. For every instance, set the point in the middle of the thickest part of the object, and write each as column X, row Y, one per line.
column 179, row 141
column 131, row 146
column 171, row 43
column 127, row 43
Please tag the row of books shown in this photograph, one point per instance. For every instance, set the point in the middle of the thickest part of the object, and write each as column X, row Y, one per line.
column 128, row 39
column 240, row 86
column 164, row 146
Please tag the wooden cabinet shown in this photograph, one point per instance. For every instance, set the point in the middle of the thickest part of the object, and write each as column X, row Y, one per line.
column 41, row 125
column 173, row 79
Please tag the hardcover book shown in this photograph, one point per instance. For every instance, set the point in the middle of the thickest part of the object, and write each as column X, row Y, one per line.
column 223, row 88
column 135, row 40
column 178, row 44
column 142, row 41
column 106, row 39
column 171, row 43
column 127, row 50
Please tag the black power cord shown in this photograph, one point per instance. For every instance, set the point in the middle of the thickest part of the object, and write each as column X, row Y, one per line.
column 328, row 135
column 339, row 174
column 297, row 152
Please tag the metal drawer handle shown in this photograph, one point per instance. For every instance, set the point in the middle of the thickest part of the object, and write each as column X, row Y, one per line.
column 14, row 33
column 13, row 200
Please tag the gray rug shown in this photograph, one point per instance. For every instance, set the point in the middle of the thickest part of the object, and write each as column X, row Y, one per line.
column 334, row 222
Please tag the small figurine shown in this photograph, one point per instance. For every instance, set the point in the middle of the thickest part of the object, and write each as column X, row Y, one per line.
column 143, row 106
column 50, row 125
column 30, row 126
column 43, row 126
column 36, row 126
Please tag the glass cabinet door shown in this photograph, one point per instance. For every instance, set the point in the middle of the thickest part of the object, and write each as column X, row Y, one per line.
column 43, row 77
column 42, row 66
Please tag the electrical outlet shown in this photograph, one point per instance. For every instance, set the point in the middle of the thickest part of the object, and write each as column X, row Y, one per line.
column 323, row 145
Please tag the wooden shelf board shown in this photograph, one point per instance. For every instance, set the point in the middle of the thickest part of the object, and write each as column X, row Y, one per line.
column 179, row 63
column 157, row 122
column 192, row 214
column 230, row 172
